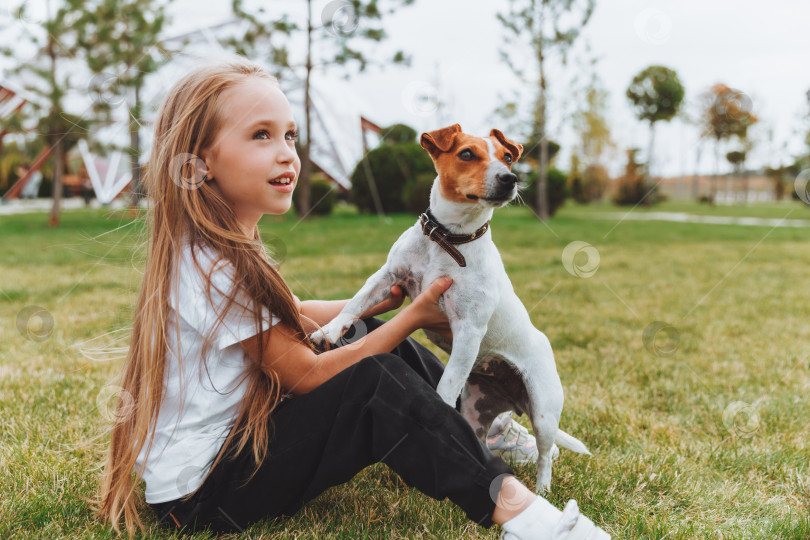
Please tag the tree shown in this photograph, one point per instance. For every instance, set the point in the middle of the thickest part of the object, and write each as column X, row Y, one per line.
column 737, row 159
column 726, row 113
column 807, row 135
column 590, row 123
column 556, row 190
column 631, row 189
column 122, row 48
column 656, row 94
column 780, row 177
column 588, row 185
column 539, row 22
column 340, row 24
column 53, row 39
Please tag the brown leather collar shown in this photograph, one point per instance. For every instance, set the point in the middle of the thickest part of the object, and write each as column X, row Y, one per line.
column 439, row 234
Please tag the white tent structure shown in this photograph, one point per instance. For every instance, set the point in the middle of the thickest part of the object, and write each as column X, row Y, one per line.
column 341, row 132
column 12, row 99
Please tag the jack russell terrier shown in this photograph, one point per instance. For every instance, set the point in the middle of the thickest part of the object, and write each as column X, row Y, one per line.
column 498, row 360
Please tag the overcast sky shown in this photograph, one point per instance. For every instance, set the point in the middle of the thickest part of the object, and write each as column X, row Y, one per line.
column 760, row 48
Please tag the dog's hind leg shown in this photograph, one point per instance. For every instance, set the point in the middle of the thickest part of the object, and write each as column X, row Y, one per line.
column 545, row 408
column 545, row 427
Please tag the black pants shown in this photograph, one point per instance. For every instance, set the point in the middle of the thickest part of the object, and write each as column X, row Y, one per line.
column 382, row 409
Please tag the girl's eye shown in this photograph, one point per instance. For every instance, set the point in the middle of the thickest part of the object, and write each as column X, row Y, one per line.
column 260, row 132
column 291, row 135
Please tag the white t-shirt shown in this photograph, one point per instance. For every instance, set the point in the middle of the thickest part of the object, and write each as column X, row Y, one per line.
column 192, row 424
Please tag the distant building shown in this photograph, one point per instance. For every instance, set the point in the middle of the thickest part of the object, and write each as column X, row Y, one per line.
column 729, row 189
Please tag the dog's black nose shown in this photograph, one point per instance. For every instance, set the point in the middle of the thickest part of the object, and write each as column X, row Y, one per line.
column 506, row 179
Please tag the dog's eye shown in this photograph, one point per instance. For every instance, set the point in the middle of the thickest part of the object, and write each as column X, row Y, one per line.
column 466, row 155
column 507, row 158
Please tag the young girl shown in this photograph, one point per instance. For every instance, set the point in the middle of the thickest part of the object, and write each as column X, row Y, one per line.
column 226, row 410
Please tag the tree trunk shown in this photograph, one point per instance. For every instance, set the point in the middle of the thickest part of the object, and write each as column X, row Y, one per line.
column 57, row 182
column 778, row 185
column 542, row 193
column 55, row 139
column 650, row 179
column 306, row 162
column 745, row 183
column 730, row 193
column 136, row 189
column 696, row 178
column 716, row 171
column 650, row 151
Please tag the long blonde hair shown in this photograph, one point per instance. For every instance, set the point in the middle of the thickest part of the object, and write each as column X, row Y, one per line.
column 182, row 205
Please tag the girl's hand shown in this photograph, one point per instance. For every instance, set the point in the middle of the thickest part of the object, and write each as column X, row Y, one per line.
column 429, row 313
column 297, row 303
column 390, row 303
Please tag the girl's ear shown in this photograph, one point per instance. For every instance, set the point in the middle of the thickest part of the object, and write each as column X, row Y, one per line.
column 201, row 165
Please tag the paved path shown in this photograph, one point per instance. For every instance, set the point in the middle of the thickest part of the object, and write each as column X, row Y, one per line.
column 27, row 206
column 683, row 217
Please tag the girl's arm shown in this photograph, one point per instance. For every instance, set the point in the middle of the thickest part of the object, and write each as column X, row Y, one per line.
column 316, row 313
column 301, row 370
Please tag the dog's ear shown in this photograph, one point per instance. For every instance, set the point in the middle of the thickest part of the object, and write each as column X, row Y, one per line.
column 439, row 141
column 514, row 148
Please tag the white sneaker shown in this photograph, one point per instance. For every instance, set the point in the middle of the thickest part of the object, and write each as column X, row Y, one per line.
column 570, row 525
column 510, row 441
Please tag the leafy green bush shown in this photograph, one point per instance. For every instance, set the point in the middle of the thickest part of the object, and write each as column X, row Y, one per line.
column 556, row 190
column 632, row 191
column 591, row 185
column 392, row 166
column 321, row 195
column 632, row 188
column 416, row 194
column 399, row 133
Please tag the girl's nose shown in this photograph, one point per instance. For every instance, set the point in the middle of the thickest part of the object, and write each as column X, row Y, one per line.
column 287, row 154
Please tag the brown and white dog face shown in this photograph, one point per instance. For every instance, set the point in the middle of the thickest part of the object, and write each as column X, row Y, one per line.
column 474, row 170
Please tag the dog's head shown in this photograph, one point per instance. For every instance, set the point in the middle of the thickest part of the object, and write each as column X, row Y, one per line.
column 474, row 170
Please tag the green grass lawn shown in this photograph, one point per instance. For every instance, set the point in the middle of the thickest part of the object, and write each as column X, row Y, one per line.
column 698, row 430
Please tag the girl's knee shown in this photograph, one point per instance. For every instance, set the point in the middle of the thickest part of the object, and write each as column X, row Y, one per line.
column 381, row 364
column 390, row 372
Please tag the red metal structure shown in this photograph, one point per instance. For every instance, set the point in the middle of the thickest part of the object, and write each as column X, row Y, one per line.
column 12, row 101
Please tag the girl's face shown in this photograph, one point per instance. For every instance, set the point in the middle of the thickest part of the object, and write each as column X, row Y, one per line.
column 253, row 155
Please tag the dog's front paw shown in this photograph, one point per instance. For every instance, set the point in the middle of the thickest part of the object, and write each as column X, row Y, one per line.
column 331, row 332
column 318, row 338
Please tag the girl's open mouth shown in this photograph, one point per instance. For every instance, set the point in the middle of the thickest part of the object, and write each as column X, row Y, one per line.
column 284, row 184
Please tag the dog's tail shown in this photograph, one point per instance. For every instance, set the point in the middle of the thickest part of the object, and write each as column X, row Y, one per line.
column 565, row 440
